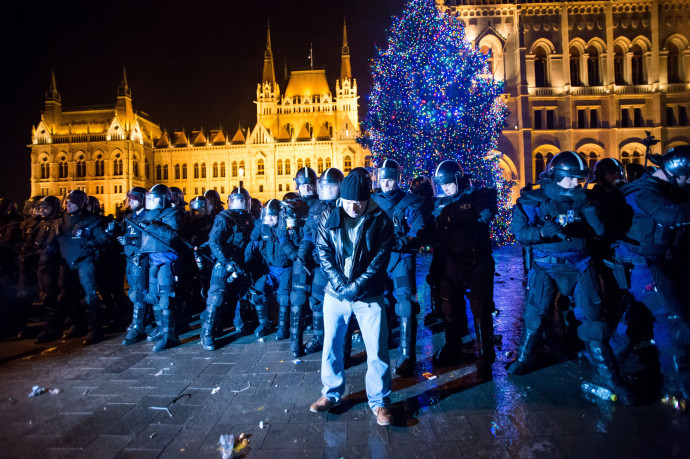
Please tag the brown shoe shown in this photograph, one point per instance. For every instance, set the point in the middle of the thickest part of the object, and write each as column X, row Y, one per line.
column 383, row 416
column 323, row 404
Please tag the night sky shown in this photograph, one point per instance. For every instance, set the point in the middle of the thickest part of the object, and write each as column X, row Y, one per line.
column 189, row 64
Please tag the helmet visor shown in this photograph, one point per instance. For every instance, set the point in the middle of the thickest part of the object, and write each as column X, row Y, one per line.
column 154, row 201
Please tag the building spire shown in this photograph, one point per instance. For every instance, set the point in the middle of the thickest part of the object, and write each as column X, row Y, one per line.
column 345, row 69
column 124, row 90
column 269, row 72
column 52, row 92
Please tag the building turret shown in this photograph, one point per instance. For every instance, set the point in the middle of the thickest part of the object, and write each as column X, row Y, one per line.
column 124, row 102
column 52, row 113
column 345, row 69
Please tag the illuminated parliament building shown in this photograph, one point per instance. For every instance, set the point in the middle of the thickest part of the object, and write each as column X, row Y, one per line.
column 106, row 151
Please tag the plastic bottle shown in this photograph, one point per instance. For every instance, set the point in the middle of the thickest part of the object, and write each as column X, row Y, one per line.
column 598, row 391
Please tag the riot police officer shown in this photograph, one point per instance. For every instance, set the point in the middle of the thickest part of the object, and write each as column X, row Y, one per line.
column 410, row 216
column 292, row 229
column 48, row 271
column 557, row 220
column 27, row 258
column 463, row 252
column 137, row 264
column 10, row 240
column 277, row 278
column 328, row 189
column 227, row 242
column 214, row 201
column 660, row 209
column 77, row 239
column 178, row 201
column 160, row 243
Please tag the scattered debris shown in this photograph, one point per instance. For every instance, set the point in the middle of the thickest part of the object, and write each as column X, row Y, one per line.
column 296, row 361
column 215, row 390
column 85, row 392
column 160, row 372
column 429, row 376
column 226, row 446
column 249, row 384
column 48, row 350
column 182, row 395
column 262, row 340
column 161, row 408
column 261, row 424
column 54, row 391
column 152, row 435
column 37, row 390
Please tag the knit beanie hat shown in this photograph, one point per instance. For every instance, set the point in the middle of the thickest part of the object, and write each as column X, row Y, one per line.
column 355, row 187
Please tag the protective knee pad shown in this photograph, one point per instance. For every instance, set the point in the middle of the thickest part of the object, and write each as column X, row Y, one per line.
column 136, row 296
column 593, row 330
column 298, row 298
column 284, row 301
column 404, row 308
column 258, row 299
column 315, row 305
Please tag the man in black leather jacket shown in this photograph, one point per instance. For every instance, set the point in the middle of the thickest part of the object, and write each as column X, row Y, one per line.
column 354, row 245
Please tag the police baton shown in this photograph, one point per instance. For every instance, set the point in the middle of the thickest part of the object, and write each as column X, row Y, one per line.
column 187, row 244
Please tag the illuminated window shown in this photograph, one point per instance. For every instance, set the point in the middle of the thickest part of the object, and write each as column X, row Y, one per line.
column 165, row 172
column 100, row 166
column 244, row 169
column 117, row 165
column 347, row 164
column 280, row 187
column 287, row 187
column 215, row 170
column 260, row 167
column 62, row 168
column 261, row 188
column 135, row 167
column 287, row 167
column 203, row 170
column 45, row 169
column 279, row 167
column 328, row 163
column 159, row 172
column 184, row 171
column 593, row 72
column 177, row 172
column 592, row 160
column 300, row 164
column 222, row 169
column 81, row 167
column 233, row 168
column 307, row 162
column 319, row 165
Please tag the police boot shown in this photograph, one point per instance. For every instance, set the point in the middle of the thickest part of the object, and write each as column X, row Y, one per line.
column 524, row 361
column 168, row 338
column 408, row 341
column 486, row 355
column 283, row 322
column 265, row 327
column 77, row 327
column 316, row 343
column 94, row 310
column 676, row 387
column 452, row 352
column 135, row 331
column 208, row 318
column 606, row 372
column 52, row 330
column 296, row 331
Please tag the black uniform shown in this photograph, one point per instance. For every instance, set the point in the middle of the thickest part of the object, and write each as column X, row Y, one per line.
column 10, row 242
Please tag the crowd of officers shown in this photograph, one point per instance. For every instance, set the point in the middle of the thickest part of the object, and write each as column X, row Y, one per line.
column 617, row 250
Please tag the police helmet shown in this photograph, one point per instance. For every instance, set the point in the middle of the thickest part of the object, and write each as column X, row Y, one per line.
column 161, row 190
column 447, row 172
column 31, row 205
column 77, row 197
column 290, row 197
column 239, row 195
column 566, row 164
column 390, row 169
column 93, row 205
column 607, row 166
column 177, row 196
column 138, row 193
column 158, row 191
column 329, row 184
column 50, row 202
column 305, row 176
column 271, row 209
column 198, row 203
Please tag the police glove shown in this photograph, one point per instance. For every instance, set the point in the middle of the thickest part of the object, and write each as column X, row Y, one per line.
column 550, row 229
column 121, row 240
column 88, row 246
column 349, row 291
column 231, row 267
column 485, row 216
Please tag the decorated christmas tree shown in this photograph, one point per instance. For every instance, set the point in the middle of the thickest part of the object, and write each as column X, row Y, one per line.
column 434, row 98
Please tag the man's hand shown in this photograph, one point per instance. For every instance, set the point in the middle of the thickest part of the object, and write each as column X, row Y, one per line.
column 349, row 291
column 121, row 240
column 485, row 216
column 550, row 229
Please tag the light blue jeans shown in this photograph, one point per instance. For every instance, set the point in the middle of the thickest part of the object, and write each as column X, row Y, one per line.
column 371, row 315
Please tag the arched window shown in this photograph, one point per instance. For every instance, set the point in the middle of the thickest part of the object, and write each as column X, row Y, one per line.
column 347, row 163
column 100, row 166
column 540, row 68
column 328, row 163
column 636, row 157
column 117, row 165
column 45, row 169
column 260, row 167
column 637, row 65
column 310, row 129
column 215, row 170
column 196, row 170
column 486, row 51
column 81, row 167
column 177, row 172
column 184, row 171
column 539, row 165
column 222, row 169
column 233, row 168
column 593, row 74
column 165, row 172
column 575, row 67
column 307, row 162
column 592, row 160
column 625, row 158
column 300, row 164
column 135, row 167
column 619, row 66
column 279, row 167
column 319, row 165
column 549, row 157
column 159, row 172
column 203, row 170
column 673, row 64
column 242, row 168
column 62, row 168
column 367, row 162
column 287, row 167
column 147, row 170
